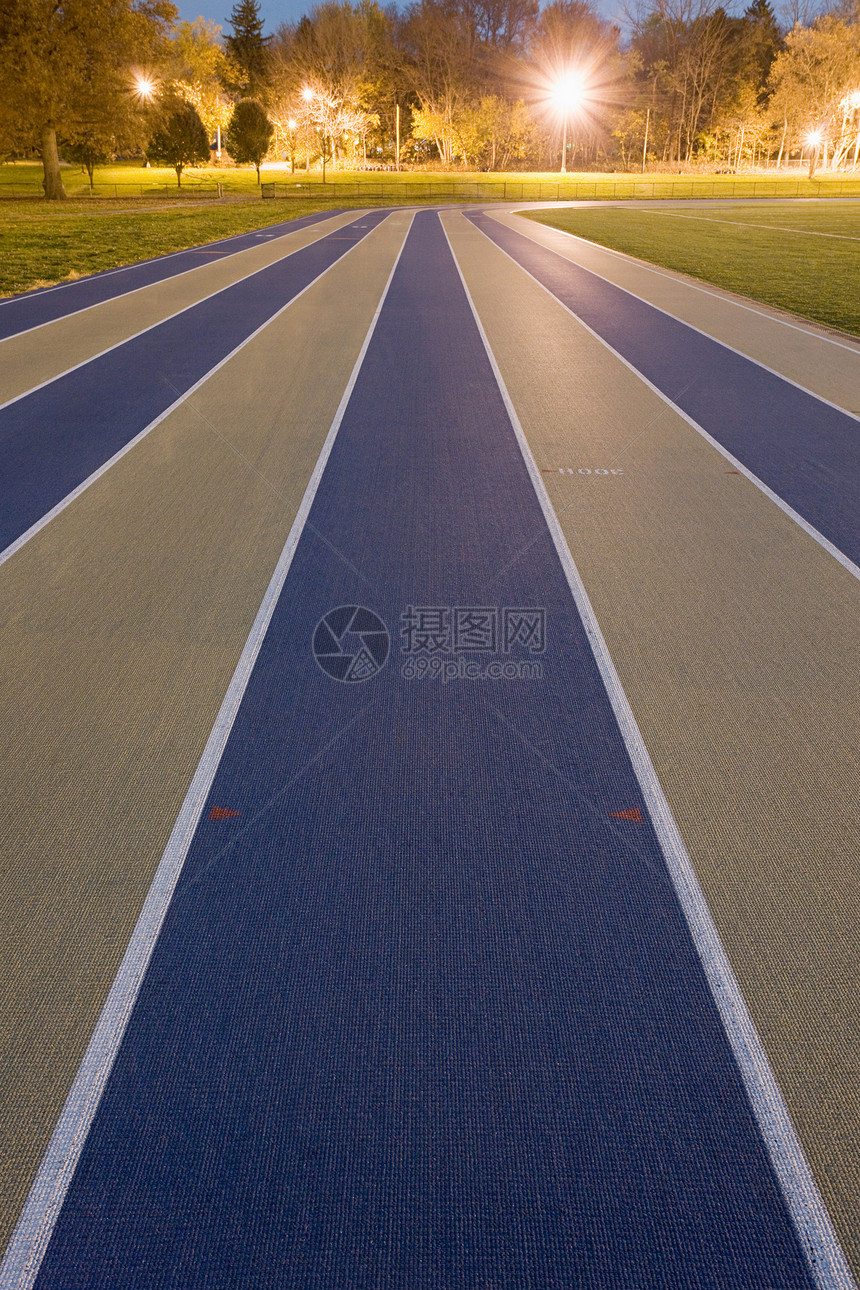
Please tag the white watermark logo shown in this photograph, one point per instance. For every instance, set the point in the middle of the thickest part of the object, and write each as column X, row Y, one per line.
column 351, row 643
column 441, row 643
column 437, row 643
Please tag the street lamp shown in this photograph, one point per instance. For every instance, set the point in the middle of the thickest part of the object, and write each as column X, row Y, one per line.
column 217, row 128
column 291, row 126
column 144, row 86
column 813, row 142
column 311, row 96
column 568, row 95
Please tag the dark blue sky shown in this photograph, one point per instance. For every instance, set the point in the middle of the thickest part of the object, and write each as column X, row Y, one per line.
column 274, row 12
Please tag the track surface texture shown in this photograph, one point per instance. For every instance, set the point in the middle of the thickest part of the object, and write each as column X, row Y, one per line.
column 429, row 846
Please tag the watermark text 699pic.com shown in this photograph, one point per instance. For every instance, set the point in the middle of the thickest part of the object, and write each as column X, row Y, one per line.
column 441, row 642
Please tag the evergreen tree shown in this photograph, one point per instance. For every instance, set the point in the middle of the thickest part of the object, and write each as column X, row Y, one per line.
column 248, row 46
column 249, row 134
column 761, row 41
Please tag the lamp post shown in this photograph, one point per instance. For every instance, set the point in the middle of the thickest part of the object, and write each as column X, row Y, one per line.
column 217, row 128
column 814, row 143
column 291, row 126
column 144, row 88
column 309, row 95
column 568, row 95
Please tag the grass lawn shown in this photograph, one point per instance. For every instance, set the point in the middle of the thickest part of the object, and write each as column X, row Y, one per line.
column 39, row 247
column 25, row 178
column 138, row 213
column 799, row 256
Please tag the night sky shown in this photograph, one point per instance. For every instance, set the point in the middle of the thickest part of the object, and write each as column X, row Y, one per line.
column 274, row 12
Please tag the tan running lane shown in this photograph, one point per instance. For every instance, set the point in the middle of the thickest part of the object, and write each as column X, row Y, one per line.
column 782, row 342
column 33, row 357
column 123, row 621
column 737, row 641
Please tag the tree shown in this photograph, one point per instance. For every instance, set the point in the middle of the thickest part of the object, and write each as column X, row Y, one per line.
column 687, row 50
column 180, row 139
column 814, row 82
column 491, row 132
column 249, row 134
column 88, row 152
column 199, row 71
column 344, row 52
column 72, row 68
column 760, row 42
column 248, row 46
column 442, row 66
column 570, row 37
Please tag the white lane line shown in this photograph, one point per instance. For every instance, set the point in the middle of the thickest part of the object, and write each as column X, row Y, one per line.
column 124, row 268
column 132, row 443
column 694, row 286
column 177, row 314
column 27, row 1248
column 788, row 510
column 738, row 223
column 827, row 1263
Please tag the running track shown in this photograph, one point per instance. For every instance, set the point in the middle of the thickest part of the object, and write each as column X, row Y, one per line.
column 445, row 976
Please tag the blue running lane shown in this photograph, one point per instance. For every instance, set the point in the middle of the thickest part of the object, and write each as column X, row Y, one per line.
column 53, row 439
column 423, row 1014
column 807, row 452
column 34, row 308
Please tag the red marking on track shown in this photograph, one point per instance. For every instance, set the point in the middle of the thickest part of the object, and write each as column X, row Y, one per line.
column 731, row 472
column 633, row 814
column 546, row 472
column 222, row 813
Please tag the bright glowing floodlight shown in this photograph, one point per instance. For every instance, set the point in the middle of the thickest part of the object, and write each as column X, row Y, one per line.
column 144, row 86
column 291, row 124
column 853, row 100
column 307, row 94
column 568, row 92
column 813, row 138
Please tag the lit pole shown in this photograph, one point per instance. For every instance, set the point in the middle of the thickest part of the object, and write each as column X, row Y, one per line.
column 568, row 96
column 813, row 140
column 309, row 95
column 144, row 88
column 291, row 126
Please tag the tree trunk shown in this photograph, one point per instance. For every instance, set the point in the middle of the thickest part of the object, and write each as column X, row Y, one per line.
column 178, row 170
column 90, row 168
column 53, row 180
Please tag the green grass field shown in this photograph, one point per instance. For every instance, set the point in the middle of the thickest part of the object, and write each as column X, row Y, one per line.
column 139, row 213
column 799, row 256
column 39, row 248
column 133, row 181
